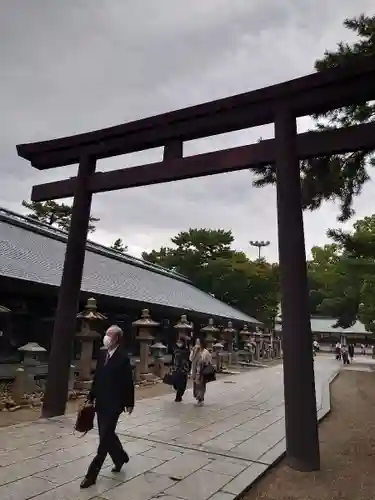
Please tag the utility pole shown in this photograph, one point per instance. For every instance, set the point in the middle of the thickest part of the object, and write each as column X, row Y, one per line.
column 259, row 245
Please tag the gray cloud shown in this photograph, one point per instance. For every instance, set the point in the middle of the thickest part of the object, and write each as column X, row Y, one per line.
column 78, row 65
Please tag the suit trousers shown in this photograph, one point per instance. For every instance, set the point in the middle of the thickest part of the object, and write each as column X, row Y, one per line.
column 109, row 443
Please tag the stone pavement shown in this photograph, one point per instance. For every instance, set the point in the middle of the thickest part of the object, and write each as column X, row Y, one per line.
column 361, row 364
column 178, row 451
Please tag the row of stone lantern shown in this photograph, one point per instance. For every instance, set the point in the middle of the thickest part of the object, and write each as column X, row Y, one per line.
column 145, row 325
column 89, row 332
column 184, row 328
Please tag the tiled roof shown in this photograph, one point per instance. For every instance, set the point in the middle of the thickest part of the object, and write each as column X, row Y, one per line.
column 320, row 324
column 35, row 252
column 326, row 325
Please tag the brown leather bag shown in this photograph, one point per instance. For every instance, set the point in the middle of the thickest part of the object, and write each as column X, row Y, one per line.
column 85, row 418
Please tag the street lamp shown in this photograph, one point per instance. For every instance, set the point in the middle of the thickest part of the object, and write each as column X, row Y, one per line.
column 259, row 245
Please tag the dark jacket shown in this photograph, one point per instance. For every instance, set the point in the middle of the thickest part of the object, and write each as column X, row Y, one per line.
column 181, row 363
column 112, row 389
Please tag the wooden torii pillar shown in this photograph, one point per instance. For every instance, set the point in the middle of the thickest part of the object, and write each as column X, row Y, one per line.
column 302, row 440
column 70, row 288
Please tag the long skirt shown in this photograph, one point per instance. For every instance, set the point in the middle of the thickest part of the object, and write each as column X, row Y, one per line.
column 199, row 389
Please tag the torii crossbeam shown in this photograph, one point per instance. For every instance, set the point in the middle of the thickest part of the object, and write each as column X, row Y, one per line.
column 279, row 104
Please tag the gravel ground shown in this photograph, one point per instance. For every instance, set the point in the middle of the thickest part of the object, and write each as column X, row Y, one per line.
column 28, row 414
column 347, row 438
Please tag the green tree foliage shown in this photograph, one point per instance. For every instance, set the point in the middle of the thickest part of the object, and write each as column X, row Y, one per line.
column 337, row 177
column 206, row 257
column 54, row 214
column 322, row 274
column 118, row 246
column 342, row 275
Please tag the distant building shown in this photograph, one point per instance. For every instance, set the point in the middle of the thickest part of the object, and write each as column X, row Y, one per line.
column 324, row 331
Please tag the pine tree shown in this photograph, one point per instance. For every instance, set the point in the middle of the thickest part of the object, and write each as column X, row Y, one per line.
column 119, row 246
column 54, row 214
column 337, row 177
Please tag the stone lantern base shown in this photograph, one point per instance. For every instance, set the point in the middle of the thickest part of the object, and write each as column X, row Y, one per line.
column 84, row 380
column 82, row 385
column 143, row 372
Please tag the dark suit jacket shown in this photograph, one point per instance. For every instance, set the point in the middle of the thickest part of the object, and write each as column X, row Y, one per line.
column 112, row 389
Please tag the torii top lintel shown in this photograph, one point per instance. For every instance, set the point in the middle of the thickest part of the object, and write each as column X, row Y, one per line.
column 314, row 93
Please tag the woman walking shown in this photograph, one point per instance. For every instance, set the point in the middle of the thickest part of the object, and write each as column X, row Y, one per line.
column 181, row 368
column 199, row 357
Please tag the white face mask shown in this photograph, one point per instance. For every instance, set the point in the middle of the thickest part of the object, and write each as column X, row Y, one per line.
column 107, row 341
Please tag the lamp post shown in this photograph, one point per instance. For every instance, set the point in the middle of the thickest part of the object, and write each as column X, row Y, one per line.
column 259, row 245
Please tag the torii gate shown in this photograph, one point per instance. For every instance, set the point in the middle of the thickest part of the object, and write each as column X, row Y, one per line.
column 280, row 104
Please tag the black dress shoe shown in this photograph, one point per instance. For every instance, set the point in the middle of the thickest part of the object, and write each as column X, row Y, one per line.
column 117, row 468
column 87, row 482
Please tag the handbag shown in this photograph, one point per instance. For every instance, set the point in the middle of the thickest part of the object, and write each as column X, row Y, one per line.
column 169, row 378
column 208, row 373
column 85, row 418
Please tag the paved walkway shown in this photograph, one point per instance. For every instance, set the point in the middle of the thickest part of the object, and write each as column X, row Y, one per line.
column 178, row 451
column 361, row 363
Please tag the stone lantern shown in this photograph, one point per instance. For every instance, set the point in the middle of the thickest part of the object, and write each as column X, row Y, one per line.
column 90, row 318
column 32, row 352
column 258, row 337
column 184, row 328
column 144, row 325
column 218, row 349
column 228, row 333
column 245, row 334
column 267, row 344
column 210, row 330
column 158, row 350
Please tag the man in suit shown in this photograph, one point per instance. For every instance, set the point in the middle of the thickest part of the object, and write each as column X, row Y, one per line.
column 112, row 392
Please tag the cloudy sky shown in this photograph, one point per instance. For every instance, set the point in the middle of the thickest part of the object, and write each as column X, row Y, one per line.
column 77, row 65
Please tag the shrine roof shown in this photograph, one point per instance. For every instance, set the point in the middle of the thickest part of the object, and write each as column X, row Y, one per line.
column 325, row 324
column 320, row 324
column 34, row 252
